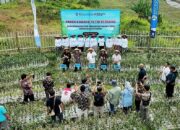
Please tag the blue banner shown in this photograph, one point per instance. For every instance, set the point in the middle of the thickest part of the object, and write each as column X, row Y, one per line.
column 154, row 17
column 98, row 22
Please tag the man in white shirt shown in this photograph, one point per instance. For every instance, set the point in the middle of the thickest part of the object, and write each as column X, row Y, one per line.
column 58, row 43
column 116, row 58
column 80, row 43
column 73, row 42
column 87, row 41
column 65, row 42
column 91, row 56
column 109, row 42
column 93, row 42
column 124, row 42
column 165, row 71
column 118, row 43
column 101, row 42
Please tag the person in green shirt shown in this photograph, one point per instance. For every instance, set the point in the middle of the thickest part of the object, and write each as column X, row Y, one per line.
column 114, row 96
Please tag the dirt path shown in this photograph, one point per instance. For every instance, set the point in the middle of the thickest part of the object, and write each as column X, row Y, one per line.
column 174, row 3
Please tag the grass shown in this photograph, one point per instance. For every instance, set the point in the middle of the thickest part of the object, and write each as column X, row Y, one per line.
column 17, row 16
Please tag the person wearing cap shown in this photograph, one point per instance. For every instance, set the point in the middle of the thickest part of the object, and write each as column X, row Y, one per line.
column 109, row 42
column 118, row 43
column 116, row 58
column 82, row 100
column 80, row 43
column 77, row 57
column 103, row 57
column 73, row 42
column 101, row 42
column 127, row 97
column 93, row 42
column 91, row 56
column 87, row 41
column 170, row 81
column 66, row 56
column 65, row 42
column 142, row 73
column 114, row 96
column 4, row 117
column 145, row 102
column 124, row 42
column 58, row 43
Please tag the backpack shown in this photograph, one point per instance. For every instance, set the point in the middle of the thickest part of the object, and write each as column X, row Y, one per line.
column 146, row 103
column 98, row 99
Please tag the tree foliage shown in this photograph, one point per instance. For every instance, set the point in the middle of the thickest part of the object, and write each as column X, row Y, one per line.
column 90, row 3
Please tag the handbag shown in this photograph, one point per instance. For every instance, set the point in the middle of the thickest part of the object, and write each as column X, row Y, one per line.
column 52, row 113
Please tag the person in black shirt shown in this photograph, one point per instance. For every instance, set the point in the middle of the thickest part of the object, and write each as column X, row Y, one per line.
column 142, row 73
column 66, row 56
column 170, row 81
column 55, row 107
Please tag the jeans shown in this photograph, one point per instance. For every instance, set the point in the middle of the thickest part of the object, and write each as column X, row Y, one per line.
column 112, row 108
column 30, row 97
column 59, row 116
column 137, row 104
column 169, row 90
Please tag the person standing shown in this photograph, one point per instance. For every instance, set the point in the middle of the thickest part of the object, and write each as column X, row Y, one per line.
column 145, row 102
column 142, row 73
column 93, row 42
column 80, row 43
column 124, row 42
column 165, row 72
column 82, row 100
column 109, row 43
column 139, row 90
column 55, row 107
column 87, row 42
column 87, row 86
column 170, row 81
column 99, row 102
column 4, row 117
column 48, row 84
column 103, row 58
column 118, row 43
column 66, row 56
column 77, row 58
column 65, row 42
column 127, row 97
column 73, row 42
column 116, row 58
column 58, row 43
column 114, row 96
column 91, row 56
column 26, row 85
column 101, row 42
column 66, row 94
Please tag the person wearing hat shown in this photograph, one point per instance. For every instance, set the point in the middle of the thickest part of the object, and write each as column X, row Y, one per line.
column 58, row 43
column 77, row 57
column 142, row 73
column 91, row 56
column 114, row 96
column 80, row 43
column 103, row 57
column 116, row 58
column 124, row 42
column 109, row 42
column 73, row 42
column 66, row 56
column 101, row 42
column 118, row 43
column 87, row 41
column 65, row 42
column 170, row 81
column 93, row 42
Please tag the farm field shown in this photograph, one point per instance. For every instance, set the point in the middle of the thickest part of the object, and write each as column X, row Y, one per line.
column 164, row 113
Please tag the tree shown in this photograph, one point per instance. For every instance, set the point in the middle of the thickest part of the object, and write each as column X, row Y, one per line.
column 90, row 3
column 142, row 8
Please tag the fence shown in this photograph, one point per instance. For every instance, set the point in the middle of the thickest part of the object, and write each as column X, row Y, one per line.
column 25, row 40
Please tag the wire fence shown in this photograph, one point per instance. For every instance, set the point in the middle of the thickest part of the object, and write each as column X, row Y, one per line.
column 136, row 39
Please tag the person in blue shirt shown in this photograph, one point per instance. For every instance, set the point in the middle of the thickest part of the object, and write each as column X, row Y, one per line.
column 127, row 97
column 4, row 117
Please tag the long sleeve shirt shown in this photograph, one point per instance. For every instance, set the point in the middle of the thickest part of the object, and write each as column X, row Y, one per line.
column 91, row 57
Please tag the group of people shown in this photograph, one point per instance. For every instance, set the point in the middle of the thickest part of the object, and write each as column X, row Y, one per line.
column 88, row 96
column 93, row 41
column 67, row 57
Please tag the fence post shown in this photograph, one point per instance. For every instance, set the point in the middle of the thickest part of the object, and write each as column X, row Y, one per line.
column 17, row 41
